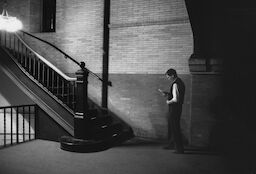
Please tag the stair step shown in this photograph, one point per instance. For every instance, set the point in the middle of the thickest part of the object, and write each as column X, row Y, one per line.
column 122, row 136
column 92, row 113
column 105, row 120
column 106, row 131
column 85, row 146
column 80, row 145
column 82, row 126
column 97, row 133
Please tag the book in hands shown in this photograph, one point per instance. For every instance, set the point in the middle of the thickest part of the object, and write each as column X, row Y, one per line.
column 164, row 93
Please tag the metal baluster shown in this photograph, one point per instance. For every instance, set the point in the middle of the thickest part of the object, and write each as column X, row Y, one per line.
column 34, row 65
column 29, row 124
column 29, row 62
column 17, row 125
column 38, row 70
column 73, row 95
column 6, row 44
column 6, row 36
column 23, row 123
column 53, row 82
column 57, row 85
column 62, row 90
column 68, row 94
column 4, row 127
column 43, row 71
column 18, row 50
column 25, row 58
column 48, row 78
column 11, row 127
column 21, row 56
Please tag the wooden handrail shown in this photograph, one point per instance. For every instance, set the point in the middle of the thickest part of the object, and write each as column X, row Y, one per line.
column 65, row 55
column 81, row 64
column 47, row 62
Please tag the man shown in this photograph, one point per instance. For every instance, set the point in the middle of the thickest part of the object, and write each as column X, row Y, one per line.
column 174, row 101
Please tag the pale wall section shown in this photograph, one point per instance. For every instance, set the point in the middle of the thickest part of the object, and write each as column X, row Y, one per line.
column 150, row 49
column 149, row 36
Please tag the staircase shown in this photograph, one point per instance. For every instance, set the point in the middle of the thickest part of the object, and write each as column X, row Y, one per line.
column 65, row 99
column 95, row 132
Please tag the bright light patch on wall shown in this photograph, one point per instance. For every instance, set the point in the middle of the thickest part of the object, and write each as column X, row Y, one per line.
column 8, row 23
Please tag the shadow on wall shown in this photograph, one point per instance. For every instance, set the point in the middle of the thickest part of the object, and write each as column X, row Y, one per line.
column 135, row 99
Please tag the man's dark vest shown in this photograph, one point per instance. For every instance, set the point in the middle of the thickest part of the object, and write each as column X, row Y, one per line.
column 181, row 89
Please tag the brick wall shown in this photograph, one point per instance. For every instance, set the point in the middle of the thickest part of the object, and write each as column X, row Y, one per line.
column 146, row 38
column 150, row 49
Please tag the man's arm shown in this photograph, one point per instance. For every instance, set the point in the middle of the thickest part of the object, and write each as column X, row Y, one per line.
column 175, row 94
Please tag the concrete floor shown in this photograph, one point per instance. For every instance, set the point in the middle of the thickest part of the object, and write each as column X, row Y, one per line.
column 46, row 157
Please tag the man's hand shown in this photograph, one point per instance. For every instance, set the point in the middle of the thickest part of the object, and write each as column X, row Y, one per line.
column 168, row 102
column 163, row 92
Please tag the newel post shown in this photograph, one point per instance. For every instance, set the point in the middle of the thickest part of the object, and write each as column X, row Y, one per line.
column 82, row 91
column 81, row 107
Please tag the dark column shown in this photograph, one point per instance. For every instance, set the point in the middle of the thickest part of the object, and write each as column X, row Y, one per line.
column 105, row 53
column 206, row 19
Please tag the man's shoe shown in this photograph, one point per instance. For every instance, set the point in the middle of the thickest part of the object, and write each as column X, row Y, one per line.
column 179, row 152
column 169, row 147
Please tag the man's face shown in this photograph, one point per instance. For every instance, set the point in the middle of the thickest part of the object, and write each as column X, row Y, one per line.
column 171, row 78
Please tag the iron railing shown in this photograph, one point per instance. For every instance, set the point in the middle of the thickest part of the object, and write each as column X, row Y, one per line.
column 17, row 124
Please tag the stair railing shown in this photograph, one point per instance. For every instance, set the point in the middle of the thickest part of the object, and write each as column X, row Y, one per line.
column 18, row 124
column 71, row 91
column 44, row 72
column 81, row 64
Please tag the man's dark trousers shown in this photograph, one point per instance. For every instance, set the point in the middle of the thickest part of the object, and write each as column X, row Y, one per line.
column 174, row 126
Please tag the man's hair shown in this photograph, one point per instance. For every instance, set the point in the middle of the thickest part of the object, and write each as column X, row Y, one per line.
column 171, row 72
